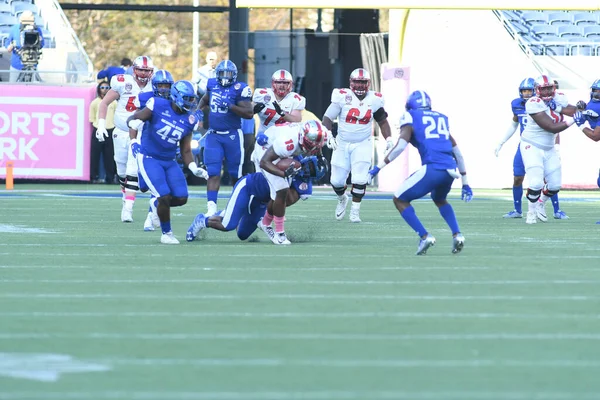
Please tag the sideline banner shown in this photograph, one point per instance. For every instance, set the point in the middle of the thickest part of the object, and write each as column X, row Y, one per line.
column 45, row 131
column 395, row 80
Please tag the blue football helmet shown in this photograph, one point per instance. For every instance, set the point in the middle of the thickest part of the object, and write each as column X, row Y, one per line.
column 595, row 92
column 527, row 84
column 162, row 76
column 226, row 73
column 183, row 94
column 418, row 100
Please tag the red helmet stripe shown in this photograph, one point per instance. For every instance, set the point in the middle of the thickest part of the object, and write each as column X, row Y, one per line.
column 282, row 75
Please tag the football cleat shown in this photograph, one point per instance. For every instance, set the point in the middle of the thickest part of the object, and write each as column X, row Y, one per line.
column 560, row 215
column 196, row 227
column 458, row 242
column 355, row 215
column 268, row 230
column 513, row 214
column 148, row 225
column 211, row 209
column 540, row 211
column 281, row 238
column 168, row 238
column 425, row 244
column 126, row 214
column 340, row 210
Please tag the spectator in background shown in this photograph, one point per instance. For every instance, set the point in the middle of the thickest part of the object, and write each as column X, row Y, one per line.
column 205, row 72
column 26, row 22
column 110, row 71
column 127, row 65
column 104, row 148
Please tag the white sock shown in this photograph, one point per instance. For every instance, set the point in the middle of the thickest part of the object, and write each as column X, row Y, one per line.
column 355, row 206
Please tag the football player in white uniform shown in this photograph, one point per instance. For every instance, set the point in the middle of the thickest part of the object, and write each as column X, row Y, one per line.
column 288, row 140
column 275, row 106
column 125, row 89
column 541, row 159
column 355, row 110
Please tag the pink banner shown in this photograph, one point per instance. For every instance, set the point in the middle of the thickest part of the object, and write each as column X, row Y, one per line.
column 45, row 131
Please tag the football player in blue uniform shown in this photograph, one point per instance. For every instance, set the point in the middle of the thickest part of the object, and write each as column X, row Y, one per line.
column 428, row 131
column 228, row 100
column 250, row 197
column 588, row 119
column 162, row 81
column 526, row 91
column 170, row 124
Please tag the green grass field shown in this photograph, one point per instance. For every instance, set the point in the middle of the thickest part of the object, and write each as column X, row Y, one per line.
column 91, row 308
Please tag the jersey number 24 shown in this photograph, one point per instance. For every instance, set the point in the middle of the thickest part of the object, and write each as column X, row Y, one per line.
column 435, row 127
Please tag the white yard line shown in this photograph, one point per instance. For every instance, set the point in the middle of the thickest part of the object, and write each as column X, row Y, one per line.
column 298, row 315
column 565, row 336
column 304, row 282
column 307, row 296
column 304, row 395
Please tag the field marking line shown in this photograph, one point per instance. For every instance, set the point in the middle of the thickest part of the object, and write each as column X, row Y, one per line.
column 297, row 315
column 302, row 296
column 564, row 336
column 304, row 282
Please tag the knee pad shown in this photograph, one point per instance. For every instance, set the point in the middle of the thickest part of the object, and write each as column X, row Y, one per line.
column 339, row 190
column 533, row 195
column 122, row 181
column 131, row 182
column 358, row 190
column 549, row 193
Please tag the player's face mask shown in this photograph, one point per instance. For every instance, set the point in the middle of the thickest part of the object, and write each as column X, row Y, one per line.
column 526, row 93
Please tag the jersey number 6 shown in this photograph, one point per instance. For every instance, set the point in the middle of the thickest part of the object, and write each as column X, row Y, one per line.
column 354, row 113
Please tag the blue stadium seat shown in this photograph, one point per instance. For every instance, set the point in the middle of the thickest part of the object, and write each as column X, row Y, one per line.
column 560, row 18
column 580, row 46
column 20, row 6
column 22, row 1
column 545, row 31
column 592, row 31
column 535, row 17
column 556, row 50
column 570, row 30
column 512, row 16
column 8, row 20
column 5, row 9
column 585, row 18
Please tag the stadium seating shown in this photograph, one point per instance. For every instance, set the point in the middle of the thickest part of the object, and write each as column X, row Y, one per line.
column 10, row 10
column 555, row 33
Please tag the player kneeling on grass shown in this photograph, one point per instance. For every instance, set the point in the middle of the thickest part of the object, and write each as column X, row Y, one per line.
column 250, row 197
column 428, row 131
column 169, row 122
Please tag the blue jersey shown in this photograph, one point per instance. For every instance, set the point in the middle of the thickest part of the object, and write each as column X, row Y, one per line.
column 594, row 106
column 222, row 119
column 431, row 136
column 164, row 130
column 143, row 98
column 518, row 109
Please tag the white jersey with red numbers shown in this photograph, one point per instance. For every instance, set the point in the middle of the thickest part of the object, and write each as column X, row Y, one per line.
column 268, row 116
column 283, row 138
column 533, row 133
column 128, row 103
column 355, row 119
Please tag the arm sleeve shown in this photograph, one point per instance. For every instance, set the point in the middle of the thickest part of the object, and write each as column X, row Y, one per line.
column 509, row 131
column 460, row 163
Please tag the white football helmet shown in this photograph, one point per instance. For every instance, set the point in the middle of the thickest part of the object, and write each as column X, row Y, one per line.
column 544, row 88
column 281, row 82
column 360, row 80
column 143, row 68
column 313, row 136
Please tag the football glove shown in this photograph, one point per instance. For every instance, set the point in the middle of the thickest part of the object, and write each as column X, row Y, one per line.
column 291, row 171
column 262, row 139
column 389, row 143
column 498, row 148
column 277, row 108
column 258, row 107
column 331, row 141
column 225, row 102
column 581, row 105
column 101, row 131
column 590, row 113
column 136, row 147
column 196, row 170
column 579, row 118
column 467, row 193
column 372, row 173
